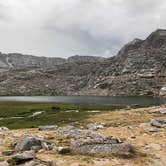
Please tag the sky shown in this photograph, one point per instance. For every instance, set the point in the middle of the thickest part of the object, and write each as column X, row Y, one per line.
column 63, row 28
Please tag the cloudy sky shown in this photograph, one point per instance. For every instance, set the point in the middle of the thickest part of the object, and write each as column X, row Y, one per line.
column 64, row 28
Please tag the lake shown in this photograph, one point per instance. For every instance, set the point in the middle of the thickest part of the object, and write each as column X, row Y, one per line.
column 89, row 100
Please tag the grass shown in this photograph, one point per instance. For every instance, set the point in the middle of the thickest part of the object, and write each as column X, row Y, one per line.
column 54, row 113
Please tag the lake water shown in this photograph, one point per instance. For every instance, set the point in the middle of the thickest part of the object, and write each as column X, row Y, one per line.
column 89, row 100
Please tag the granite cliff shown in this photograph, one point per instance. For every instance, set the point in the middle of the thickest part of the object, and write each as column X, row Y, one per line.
column 139, row 68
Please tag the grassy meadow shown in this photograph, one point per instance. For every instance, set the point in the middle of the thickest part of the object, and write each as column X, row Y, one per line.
column 53, row 114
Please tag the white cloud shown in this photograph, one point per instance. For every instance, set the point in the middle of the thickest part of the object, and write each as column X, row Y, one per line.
column 67, row 27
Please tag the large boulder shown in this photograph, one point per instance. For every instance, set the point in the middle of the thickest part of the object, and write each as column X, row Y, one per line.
column 27, row 142
column 105, row 146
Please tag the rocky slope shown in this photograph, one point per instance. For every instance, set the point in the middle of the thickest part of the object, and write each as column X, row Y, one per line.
column 138, row 69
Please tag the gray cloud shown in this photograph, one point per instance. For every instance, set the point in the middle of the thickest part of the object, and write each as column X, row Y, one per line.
column 64, row 28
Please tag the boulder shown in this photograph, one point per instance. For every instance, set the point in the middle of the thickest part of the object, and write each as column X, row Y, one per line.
column 21, row 158
column 27, row 142
column 160, row 123
column 106, row 146
column 52, row 127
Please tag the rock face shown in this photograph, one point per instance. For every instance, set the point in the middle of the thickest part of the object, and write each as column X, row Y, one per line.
column 139, row 68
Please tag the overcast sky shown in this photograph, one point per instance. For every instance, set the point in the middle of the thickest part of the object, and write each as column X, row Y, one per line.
column 64, row 28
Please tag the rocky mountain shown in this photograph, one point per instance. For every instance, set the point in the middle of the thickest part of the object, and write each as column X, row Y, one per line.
column 139, row 68
column 17, row 61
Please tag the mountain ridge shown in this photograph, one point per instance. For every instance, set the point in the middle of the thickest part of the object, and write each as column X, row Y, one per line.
column 139, row 68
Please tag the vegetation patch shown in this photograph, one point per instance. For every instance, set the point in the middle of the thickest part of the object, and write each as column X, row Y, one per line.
column 16, row 115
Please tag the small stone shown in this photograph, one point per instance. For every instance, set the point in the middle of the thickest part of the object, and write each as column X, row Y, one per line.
column 8, row 152
column 63, row 150
column 46, row 146
column 75, row 164
column 4, row 129
column 153, row 130
column 36, row 148
column 155, row 146
column 144, row 125
column 94, row 126
column 133, row 137
column 52, row 127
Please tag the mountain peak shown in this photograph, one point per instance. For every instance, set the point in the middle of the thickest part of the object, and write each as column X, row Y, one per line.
column 161, row 32
column 156, row 39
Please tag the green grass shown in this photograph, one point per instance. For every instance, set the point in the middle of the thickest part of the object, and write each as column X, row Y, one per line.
column 54, row 113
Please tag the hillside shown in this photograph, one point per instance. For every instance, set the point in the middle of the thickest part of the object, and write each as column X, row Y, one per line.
column 139, row 68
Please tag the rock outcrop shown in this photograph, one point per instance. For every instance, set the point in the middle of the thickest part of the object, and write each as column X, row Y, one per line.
column 101, row 147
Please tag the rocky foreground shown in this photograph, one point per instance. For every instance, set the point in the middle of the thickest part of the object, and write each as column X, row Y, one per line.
column 138, row 69
column 132, row 137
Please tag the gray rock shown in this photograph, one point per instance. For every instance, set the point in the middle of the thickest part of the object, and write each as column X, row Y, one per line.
column 4, row 128
column 100, row 146
column 27, row 142
column 152, row 130
column 63, row 150
column 36, row 148
column 21, row 158
column 159, row 110
column 8, row 152
column 160, row 123
column 94, row 126
column 52, row 127
column 46, row 145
